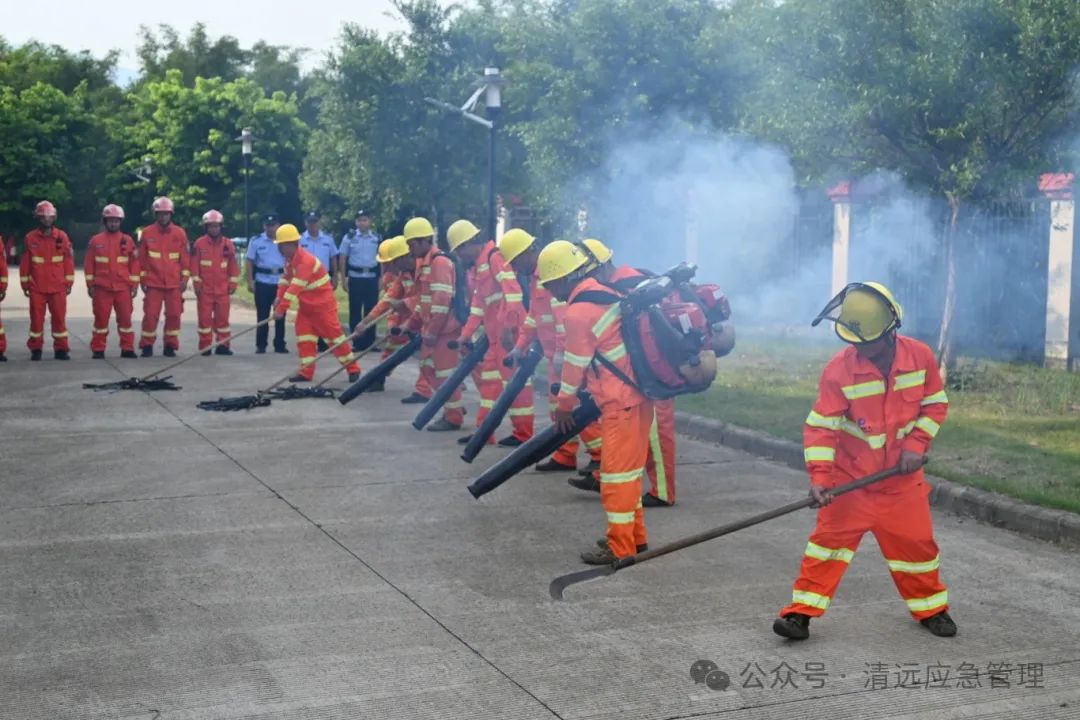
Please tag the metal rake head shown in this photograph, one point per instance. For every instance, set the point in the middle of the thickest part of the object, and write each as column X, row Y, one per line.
column 134, row 384
column 294, row 392
column 246, row 402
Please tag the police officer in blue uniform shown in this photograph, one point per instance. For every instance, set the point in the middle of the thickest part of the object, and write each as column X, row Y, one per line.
column 322, row 246
column 265, row 264
column 359, row 270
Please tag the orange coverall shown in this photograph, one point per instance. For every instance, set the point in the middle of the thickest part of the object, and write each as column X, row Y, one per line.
column 112, row 270
column 433, row 319
column 215, row 273
column 859, row 425
column 306, row 284
column 496, row 304
column 545, row 323
column 3, row 291
column 164, row 267
column 47, row 270
column 626, row 415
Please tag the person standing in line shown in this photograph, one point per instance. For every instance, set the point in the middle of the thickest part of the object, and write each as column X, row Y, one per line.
column 358, row 269
column 265, row 264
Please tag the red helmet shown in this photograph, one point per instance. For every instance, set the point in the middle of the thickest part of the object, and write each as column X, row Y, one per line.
column 163, row 204
column 213, row 216
column 112, row 211
column 44, row 208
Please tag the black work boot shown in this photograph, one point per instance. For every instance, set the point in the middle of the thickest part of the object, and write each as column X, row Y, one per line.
column 353, row 377
column 795, row 626
column 260, row 350
column 602, row 543
column 148, row 351
column 128, row 354
column 510, row 441
column 553, row 465
column 589, row 484
column 98, row 355
column 170, row 352
column 223, row 350
column 650, row 500
column 464, row 439
column 941, row 624
column 414, row 399
column 3, row 357
column 35, row 355
column 589, row 469
column 298, row 378
column 281, row 349
column 204, row 353
column 442, row 425
column 62, row 355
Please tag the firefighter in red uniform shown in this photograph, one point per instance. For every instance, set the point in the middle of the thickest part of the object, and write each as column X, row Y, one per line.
column 395, row 285
column 496, row 307
column 880, row 404
column 3, row 294
column 112, row 280
column 306, row 285
column 163, row 256
column 215, row 273
column 47, row 273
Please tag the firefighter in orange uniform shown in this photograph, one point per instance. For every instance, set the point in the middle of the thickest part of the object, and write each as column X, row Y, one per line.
column 438, row 290
column 215, row 272
column 3, row 294
column 306, row 285
column 626, row 415
column 880, row 404
column 395, row 287
column 165, row 269
column 495, row 306
column 47, row 274
column 544, row 322
column 112, row 280
column 409, row 271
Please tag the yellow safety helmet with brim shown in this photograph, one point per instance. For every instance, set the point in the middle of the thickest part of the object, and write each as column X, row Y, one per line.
column 868, row 312
column 599, row 250
column 560, row 259
column 392, row 249
column 417, row 228
column 514, row 242
column 286, row 233
column 459, row 233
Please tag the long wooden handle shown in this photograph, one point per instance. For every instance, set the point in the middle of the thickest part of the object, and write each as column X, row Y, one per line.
column 360, row 329
column 214, row 346
column 374, row 346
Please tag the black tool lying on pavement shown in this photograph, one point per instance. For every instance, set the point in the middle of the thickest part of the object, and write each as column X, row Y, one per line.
column 246, row 402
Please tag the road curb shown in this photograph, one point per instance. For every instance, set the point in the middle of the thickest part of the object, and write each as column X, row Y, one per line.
column 1057, row 526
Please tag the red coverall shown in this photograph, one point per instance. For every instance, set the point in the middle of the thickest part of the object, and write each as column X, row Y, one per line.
column 496, row 305
column 410, row 293
column 215, row 272
column 47, row 270
column 306, row 284
column 3, row 291
column 433, row 319
column 112, row 272
column 164, row 261
column 626, row 415
column 859, row 425
column 545, row 323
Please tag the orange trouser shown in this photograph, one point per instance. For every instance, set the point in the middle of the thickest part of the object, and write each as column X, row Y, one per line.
column 56, row 302
column 567, row 454
column 395, row 342
column 321, row 321
column 904, row 531
column 491, row 377
column 626, row 446
column 153, row 299
column 436, row 365
column 105, row 302
column 213, row 318
column 661, row 464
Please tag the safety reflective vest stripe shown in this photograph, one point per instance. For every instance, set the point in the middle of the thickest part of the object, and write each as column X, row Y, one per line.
column 910, row 380
column 864, row 390
column 804, row 597
column 819, row 454
column 914, row 568
column 823, row 553
column 928, row 603
column 621, row 477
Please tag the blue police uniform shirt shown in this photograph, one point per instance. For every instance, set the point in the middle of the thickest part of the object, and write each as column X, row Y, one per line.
column 322, row 247
column 361, row 250
column 263, row 253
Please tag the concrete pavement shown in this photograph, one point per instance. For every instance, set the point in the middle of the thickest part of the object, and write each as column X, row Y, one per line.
column 311, row 561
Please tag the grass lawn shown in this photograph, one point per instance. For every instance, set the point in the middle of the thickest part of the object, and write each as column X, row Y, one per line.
column 1013, row 429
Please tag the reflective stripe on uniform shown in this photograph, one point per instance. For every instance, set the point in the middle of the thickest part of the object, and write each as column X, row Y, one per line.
column 150, row 334
column 172, row 333
column 206, row 263
column 444, row 373
column 491, row 375
column 174, row 256
column 621, row 477
column 595, row 443
column 493, row 298
column 98, row 258
column 324, row 280
column 440, row 309
column 606, row 320
column 914, row 568
column 520, row 412
column 488, row 404
column 815, row 419
column 441, row 287
column 874, row 441
column 37, row 259
column 864, row 390
column 621, row 518
column 514, row 297
column 811, row 599
column 35, row 335
column 819, row 454
column 928, row 425
column 616, row 353
column 505, row 275
column 910, row 380
column 576, row 360
column 307, row 338
column 928, row 603
column 819, row 552
column 101, row 331
column 565, row 389
column 205, row 331
column 476, row 311
column 60, row 335
column 936, row 398
column 57, row 258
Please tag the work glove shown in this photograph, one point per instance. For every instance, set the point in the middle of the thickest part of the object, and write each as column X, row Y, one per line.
column 512, row 358
column 910, row 462
column 89, row 292
column 821, row 496
column 395, row 331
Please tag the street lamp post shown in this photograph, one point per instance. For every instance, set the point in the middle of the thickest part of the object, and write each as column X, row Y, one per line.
column 246, row 140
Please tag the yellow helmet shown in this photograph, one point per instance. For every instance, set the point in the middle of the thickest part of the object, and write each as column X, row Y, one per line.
column 560, row 259
column 868, row 311
column 417, row 228
column 602, row 252
column 514, row 242
column 286, row 233
column 392, row 249
column 460, row 233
